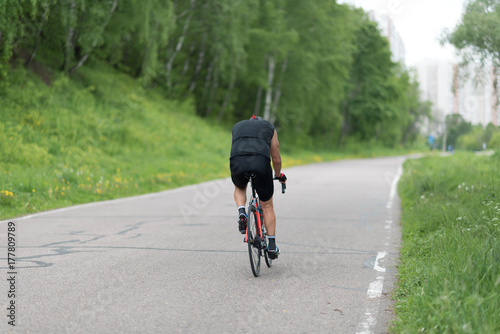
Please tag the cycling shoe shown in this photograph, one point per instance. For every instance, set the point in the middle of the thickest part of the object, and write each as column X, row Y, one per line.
column 242, row 223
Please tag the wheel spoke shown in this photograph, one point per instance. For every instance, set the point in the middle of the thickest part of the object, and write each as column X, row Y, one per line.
column 253, row 245
column 268, row 260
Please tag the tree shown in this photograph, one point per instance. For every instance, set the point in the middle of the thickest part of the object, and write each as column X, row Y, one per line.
column 456, row 126
column 318, row 70
column 10, row 26
column 269, row 43
column 478, row 34
column 418, row 112
column 489, row 131
column 473, row 140
column 20, row 23
column 373, row 86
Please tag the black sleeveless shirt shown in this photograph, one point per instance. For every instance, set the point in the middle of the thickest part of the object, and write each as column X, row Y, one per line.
column 252, row 137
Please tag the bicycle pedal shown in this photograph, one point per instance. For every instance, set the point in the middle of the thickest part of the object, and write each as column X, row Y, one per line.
column 273, row 255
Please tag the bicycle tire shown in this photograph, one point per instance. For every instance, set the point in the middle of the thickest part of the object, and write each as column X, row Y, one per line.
column 254, row 251
column 269, row 261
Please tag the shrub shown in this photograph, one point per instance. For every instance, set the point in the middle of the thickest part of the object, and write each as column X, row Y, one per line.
column 494, row 142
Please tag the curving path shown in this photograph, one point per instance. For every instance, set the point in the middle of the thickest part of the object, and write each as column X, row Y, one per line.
column 174, row 262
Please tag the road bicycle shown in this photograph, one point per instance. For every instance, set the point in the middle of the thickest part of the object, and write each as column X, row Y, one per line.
column 256, row 234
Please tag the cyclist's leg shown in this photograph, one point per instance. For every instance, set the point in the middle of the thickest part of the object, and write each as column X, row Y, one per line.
column 270, row 222
column 265, row 189
column 240, row 181
column 269, row 216
column 240, row 196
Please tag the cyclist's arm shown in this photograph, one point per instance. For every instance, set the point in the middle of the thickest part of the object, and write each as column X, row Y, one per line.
column 275, row 154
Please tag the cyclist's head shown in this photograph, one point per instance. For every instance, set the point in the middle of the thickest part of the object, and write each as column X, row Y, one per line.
column 256, row 117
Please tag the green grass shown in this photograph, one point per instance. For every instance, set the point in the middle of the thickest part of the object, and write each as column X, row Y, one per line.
column 449, row 275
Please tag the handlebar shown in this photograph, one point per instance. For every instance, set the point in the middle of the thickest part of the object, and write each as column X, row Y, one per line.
column 283, row 185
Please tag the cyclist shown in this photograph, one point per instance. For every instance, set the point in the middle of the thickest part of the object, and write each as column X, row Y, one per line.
column 254, row 143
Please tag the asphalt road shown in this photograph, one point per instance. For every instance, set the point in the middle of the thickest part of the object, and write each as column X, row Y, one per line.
column 174, row 262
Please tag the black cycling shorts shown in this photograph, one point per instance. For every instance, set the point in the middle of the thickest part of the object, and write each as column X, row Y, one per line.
column 261, row 166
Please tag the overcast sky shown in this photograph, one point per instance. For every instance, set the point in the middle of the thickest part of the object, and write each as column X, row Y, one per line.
column 420, row 24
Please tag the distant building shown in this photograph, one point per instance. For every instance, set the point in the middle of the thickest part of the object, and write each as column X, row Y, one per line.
column 451, row 90
column 388, row 30
column 446, row 85
column 475, row 94
column 435, row 78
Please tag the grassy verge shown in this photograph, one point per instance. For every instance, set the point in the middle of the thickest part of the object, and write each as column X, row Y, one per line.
column 98, row 137
column 101, row 136
column 449, row 276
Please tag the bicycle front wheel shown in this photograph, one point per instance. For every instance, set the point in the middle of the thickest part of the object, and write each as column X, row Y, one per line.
column 253, row 241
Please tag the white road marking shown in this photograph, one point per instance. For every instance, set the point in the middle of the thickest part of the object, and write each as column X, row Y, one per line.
column 378, row 268
column 376, row 287
column 394, row 186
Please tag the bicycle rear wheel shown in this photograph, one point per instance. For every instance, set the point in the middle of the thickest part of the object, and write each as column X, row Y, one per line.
column 254, row 251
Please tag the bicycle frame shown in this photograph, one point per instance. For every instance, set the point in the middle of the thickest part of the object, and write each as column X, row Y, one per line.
column 258, row 210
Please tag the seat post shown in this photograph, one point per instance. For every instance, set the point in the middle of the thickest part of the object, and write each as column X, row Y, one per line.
column 251, row 185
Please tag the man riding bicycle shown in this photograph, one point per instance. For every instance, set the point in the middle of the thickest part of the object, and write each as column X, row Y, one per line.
column 254, row 143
